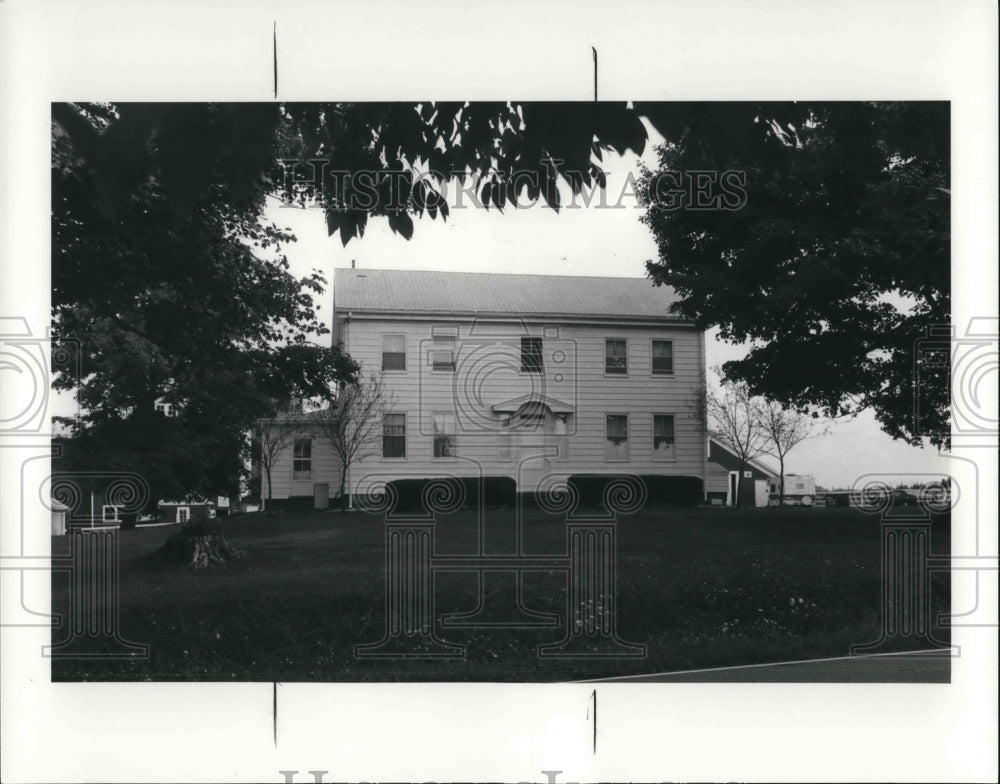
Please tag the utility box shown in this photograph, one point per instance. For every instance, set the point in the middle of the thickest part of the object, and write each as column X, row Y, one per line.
column 321, row 495
column 760, row 492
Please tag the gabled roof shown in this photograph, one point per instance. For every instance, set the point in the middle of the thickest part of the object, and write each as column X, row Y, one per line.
column 412, row 291
column 753, row 462
column 510, row 406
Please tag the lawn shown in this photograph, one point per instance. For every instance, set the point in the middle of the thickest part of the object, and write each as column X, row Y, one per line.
column 702, row 587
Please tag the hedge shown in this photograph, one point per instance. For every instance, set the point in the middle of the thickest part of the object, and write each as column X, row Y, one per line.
column 635, row 491
column 447, row 494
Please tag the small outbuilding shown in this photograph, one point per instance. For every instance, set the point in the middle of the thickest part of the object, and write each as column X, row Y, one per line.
column 724, row 482
column 185, row 511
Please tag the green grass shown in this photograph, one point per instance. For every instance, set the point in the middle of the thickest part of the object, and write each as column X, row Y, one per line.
column 703, row 587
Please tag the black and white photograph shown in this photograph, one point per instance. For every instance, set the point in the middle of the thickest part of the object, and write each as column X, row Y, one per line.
column 567, row 437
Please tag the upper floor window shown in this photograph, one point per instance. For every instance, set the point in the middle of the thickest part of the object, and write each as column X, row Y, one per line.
column 394, row 435
column 663, row 357
column 616, row 356
column 302, row 458
column 394, row 352
column 663, row 435
column 443, row 353
column 616, row 434
column 531, row 355
column 445, row 444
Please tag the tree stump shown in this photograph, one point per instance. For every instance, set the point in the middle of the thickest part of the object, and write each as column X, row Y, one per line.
column 199, row 547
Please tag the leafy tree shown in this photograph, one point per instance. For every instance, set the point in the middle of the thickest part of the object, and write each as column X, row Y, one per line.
column 175, row 288
column 735, row 420
column 195, row 307
column 503, row 152
column 829, row 252
column 784, row 429
column 352, row 424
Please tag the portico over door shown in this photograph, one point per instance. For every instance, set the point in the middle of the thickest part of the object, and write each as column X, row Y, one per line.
column 538, row 435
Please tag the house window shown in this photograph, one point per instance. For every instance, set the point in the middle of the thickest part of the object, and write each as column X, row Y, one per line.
column 394, row 352
column 445, row 444
column 615, row 356
column 616, row 433
column 302, row 458
column 394, row 435
column 663, row 357
column 531, row 355
column 166, row 409
column 663, row 435
column 183, row 514
column 443, row 353
column 109, row 513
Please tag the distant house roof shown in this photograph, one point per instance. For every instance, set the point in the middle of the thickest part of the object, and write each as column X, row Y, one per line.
column 526, row 401
column 718, row 450
column 412, row 291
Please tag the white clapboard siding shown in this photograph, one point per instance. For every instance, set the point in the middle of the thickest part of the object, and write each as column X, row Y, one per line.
column 325, row 468
column 488, row 373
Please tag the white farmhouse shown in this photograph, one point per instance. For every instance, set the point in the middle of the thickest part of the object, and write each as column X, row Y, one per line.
column 531, row 377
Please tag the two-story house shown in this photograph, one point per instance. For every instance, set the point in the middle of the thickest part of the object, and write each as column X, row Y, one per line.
column 533, row 377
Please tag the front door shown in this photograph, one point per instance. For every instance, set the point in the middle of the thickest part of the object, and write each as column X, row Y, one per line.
column 533, row 436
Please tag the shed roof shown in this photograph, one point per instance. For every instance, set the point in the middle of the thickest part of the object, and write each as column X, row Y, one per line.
column 421, row 291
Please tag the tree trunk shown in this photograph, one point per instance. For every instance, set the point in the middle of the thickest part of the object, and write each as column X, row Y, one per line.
column 200, row 550
column 739, row 485
column 210, row 550
column 781, row 487
column 343, row 488
column 270, row 489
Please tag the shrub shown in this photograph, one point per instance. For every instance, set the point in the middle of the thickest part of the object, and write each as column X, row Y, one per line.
column 674, row 490
column 591, row 489
column 447, row 494
column 294, row 503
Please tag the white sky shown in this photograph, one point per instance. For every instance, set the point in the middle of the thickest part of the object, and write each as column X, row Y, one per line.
column 575, row 241
column 580, row 241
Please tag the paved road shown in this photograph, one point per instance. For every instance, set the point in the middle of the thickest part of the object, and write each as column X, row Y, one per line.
column 926, row 667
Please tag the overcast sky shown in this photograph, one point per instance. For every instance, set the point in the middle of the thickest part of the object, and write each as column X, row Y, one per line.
column 578, row 241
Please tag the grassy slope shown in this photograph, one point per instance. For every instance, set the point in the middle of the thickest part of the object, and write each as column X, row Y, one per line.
column 701, row 588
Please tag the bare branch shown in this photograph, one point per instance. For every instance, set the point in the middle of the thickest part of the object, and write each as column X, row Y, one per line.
column 734, row 419
column 353, row 423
